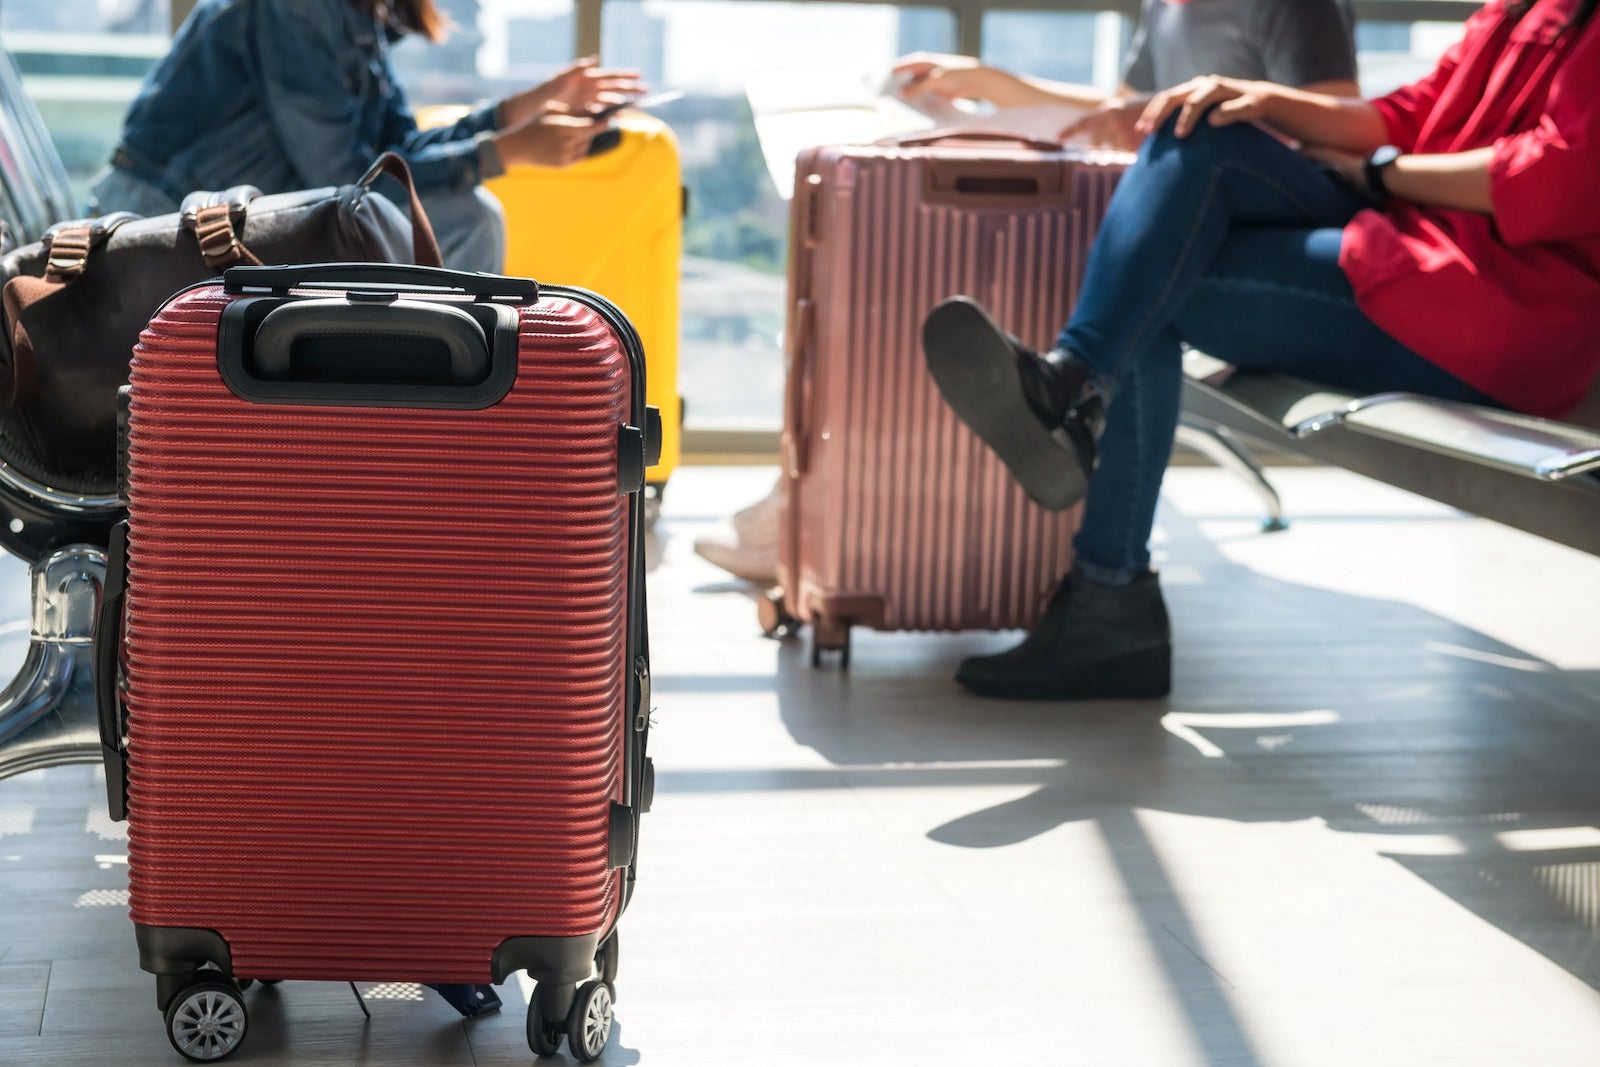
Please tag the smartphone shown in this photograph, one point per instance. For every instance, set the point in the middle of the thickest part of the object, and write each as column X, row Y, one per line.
column 604, row 141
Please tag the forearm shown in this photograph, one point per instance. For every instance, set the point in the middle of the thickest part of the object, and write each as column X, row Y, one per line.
column 1459, row 180
column 1331, row 121
column 1032, row 91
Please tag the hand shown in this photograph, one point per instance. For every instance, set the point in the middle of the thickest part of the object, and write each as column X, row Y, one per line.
column 1111, row 125
column 553, row 138
column 1234, row 100
column 578, row 88
column 949, row 77
column 1349, row 167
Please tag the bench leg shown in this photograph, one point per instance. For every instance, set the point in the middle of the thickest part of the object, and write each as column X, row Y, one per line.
column 1226, row 451
column 47, row 713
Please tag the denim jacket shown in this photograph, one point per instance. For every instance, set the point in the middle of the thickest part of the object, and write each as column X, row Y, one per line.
column 283, row 95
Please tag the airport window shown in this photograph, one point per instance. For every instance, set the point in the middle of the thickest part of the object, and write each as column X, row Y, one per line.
column 81, row 61
column 1082, row 47
column 1392, row 54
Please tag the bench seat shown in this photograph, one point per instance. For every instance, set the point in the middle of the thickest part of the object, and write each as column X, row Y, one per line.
column 1533, row 474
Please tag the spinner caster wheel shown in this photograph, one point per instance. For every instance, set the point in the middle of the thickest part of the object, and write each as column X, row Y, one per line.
column 830, row 635
column 207, row 1020
column 589, row 1025
column 776, row 622
column 544, row 1035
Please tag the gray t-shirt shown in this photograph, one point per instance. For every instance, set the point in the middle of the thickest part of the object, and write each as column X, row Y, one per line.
column 1291, row 42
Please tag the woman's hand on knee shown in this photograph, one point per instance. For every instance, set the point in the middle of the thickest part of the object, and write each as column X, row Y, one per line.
column 554, row 138
column 1229, row 100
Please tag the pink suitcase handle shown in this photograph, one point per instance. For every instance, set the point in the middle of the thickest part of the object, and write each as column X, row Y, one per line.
column 937, row 137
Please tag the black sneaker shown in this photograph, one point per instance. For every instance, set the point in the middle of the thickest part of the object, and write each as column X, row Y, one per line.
column 1095, row 642
column 1005, row 394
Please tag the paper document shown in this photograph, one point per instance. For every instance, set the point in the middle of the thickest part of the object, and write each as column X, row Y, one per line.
column 802, row 108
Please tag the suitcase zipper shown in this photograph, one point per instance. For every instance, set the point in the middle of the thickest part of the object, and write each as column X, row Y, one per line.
column 641, row 677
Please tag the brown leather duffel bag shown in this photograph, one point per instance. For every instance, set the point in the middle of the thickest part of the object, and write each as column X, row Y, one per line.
column 74, row 303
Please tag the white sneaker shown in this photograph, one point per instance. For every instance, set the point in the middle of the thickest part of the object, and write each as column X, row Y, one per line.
column 752, row 552
column 758, row 523
column 757, row 564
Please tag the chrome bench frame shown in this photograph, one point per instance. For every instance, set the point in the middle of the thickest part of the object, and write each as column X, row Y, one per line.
column 48, row 714
column 1535, row 475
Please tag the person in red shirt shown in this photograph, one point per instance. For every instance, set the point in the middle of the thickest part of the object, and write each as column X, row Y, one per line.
column 1442, row 240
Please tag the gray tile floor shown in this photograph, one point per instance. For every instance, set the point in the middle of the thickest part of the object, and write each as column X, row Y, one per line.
column 1365, row 830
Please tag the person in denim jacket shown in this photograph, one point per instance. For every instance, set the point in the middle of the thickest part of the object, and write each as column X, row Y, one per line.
column 297, row 94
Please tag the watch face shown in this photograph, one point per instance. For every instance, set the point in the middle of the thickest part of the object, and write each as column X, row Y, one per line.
column 1385, row 155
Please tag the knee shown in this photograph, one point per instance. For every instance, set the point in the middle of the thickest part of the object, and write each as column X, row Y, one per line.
column 490, row 226
column 1205, row 145
column 471, row 228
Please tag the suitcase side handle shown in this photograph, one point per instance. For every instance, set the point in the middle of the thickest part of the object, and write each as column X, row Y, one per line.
column 281, row 279
column 107, row 670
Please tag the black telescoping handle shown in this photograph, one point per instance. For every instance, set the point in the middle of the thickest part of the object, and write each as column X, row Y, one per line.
column 107, row 667
column 404, row 275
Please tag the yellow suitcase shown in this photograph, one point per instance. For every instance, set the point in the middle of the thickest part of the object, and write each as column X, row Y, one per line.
column 614, row 224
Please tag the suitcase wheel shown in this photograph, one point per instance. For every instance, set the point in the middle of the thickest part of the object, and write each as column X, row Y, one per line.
column 206, row 1020
column 589, row 1024
column 776, row 622
column 830, row 635
column 547, row 1018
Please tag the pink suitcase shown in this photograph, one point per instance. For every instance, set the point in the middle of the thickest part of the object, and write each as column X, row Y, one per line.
column 898, row 517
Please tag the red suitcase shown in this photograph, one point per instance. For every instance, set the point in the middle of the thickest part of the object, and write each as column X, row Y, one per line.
column 898, row 517
column 385, row 673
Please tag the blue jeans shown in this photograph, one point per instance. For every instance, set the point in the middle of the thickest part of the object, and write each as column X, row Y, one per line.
column 469, row 222
column 1226, row 240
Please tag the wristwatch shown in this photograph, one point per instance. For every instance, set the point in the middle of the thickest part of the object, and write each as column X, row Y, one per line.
column 1374, row 168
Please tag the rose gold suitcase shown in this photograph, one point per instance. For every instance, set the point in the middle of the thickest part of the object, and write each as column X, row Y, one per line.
column 897, row 516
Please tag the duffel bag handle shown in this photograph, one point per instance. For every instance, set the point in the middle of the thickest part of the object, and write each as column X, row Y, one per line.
column 424, row 245
column 404, row 276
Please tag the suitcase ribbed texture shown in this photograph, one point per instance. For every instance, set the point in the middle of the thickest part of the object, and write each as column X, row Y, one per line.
column 375, row 659
column 901, row 508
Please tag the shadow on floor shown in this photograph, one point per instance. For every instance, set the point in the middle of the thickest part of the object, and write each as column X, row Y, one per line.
column 1291, row 703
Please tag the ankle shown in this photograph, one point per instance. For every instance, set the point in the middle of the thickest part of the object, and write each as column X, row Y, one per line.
column 1088, row 571
column 1076, row 375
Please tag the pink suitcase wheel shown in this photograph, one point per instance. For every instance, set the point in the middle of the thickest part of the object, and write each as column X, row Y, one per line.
column 830, row 635
column 775, row 618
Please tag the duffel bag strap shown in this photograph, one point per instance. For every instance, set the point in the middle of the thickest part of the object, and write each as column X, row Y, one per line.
column 219, row 239
column 424, row 245
column 68, row 244
column 67, row 248
column 21, row 293
column 217, row 222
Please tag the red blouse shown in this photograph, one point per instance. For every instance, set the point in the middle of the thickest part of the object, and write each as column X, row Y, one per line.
column 1509, row 304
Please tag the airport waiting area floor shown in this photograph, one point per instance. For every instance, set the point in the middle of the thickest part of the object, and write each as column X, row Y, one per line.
column 1364, row 830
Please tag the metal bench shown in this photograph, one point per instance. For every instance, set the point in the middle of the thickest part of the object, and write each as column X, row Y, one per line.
column 1532, row 474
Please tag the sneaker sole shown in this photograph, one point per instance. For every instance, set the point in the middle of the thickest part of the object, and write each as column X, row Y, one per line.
column 1143, row 674
column 976, row 370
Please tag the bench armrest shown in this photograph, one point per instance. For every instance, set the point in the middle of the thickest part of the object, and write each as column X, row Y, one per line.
column 1519, row 444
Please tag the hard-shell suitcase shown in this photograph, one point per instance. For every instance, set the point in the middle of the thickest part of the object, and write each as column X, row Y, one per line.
column 379, row 604
column 898, row 517
column 613, row 223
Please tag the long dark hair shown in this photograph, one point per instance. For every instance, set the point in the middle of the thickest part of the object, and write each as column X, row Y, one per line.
column 1580, row 17
column 409, row 16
